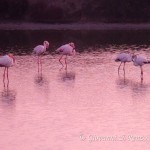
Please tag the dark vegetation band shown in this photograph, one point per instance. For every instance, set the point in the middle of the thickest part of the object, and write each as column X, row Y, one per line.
column 67, row 11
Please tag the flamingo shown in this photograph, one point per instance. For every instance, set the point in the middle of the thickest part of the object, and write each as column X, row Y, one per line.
column 67, row 49
column 39, row 51
column 139, row 60
column 123, row 58
column 7, row 61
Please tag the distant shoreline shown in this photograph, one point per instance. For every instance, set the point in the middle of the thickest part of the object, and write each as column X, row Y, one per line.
column 75, row 26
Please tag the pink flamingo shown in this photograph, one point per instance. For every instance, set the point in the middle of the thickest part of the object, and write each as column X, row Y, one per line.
column 7, row 61
column 123, row 58
column 39, row 51
column 139, row 60
column 68, row 50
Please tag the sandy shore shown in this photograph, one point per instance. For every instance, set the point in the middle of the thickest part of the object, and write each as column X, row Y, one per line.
column 79, row 26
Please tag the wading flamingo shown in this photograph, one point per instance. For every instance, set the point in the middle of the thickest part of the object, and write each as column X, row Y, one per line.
column 123, row 58
column 6, row 61
column 39, row 51
column 139, row 60
column 68, row 50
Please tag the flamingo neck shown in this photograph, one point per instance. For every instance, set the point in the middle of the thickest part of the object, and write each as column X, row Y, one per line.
column 11, row 57
column 46, row 45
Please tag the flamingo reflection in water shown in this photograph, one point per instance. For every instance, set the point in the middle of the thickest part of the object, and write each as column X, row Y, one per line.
column 68, row 76
column 7, row 95
column 39, row 79
column 6, row 61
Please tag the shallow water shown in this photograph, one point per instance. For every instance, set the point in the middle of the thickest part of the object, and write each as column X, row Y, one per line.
column 86, row 107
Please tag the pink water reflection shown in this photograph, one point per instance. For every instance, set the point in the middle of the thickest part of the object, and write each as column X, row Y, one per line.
column 87, row 107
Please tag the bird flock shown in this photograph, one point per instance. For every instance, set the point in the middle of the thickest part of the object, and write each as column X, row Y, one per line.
column 8, row 60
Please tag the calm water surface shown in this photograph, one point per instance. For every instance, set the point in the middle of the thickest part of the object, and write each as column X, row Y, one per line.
column 86, row 107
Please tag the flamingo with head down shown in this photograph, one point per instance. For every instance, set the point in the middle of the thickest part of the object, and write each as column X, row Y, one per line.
column 139, row 60
column 123, row 58
column 67, row 50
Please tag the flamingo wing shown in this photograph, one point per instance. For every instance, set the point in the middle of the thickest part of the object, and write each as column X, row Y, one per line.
column 124, row 57
column 140, row 60
column 6, row 61
column 39, row 49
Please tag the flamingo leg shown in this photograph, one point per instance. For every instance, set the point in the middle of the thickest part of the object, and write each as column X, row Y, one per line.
column 38, row 59
column 7, row 75
column 124, row 66
column 66, row 62
column 119, row 67
column 124, row 69
column 4, row 76
column 41, row 64
column 60, row 60
column 38, row 68
column 38, row 64
column 141, row 72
